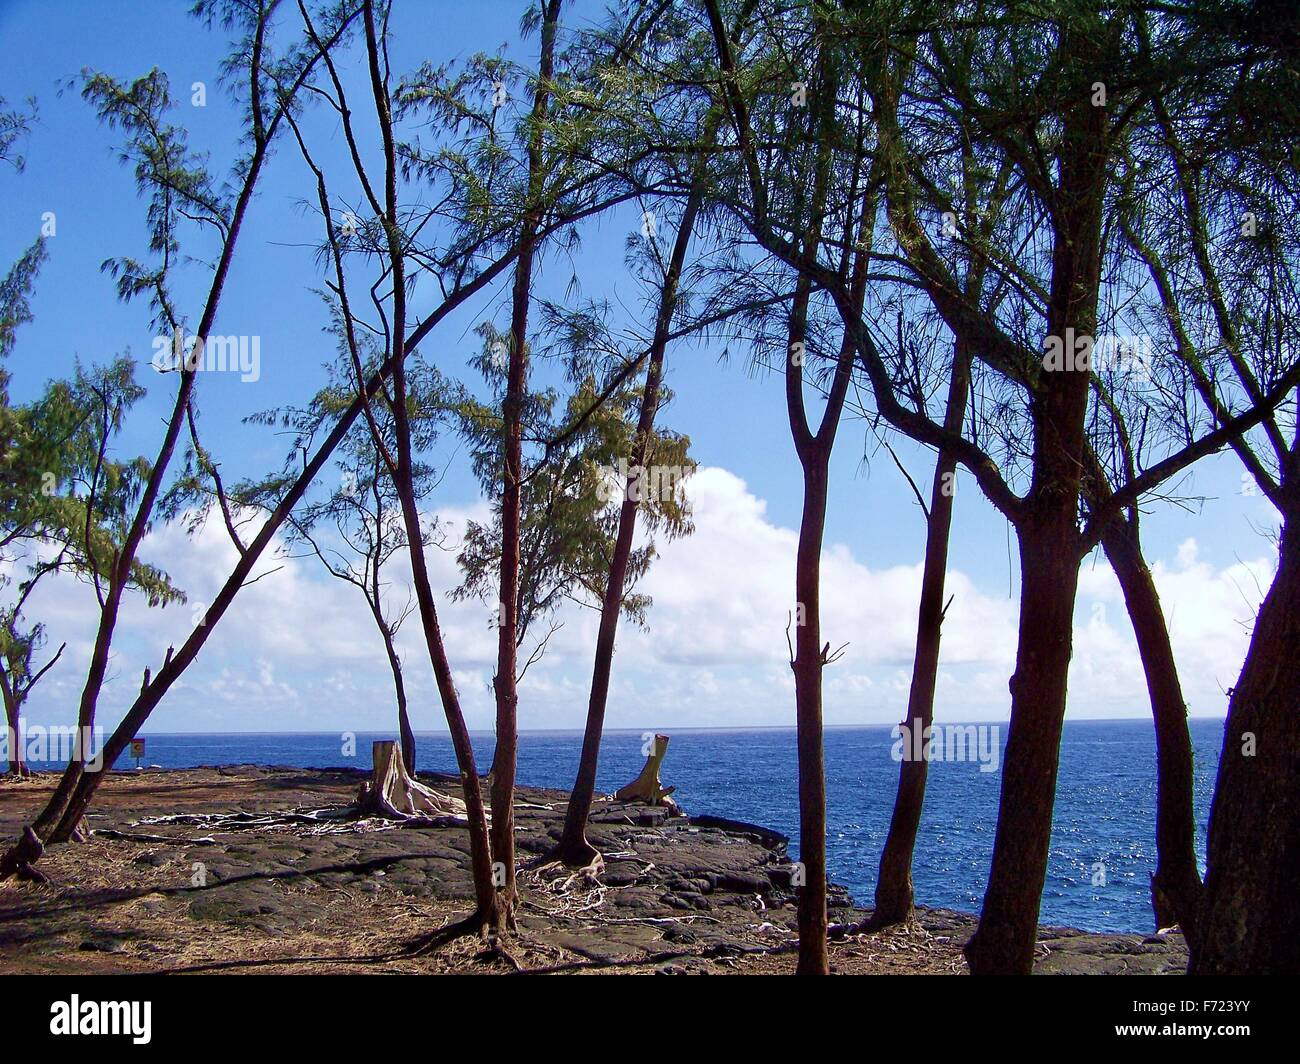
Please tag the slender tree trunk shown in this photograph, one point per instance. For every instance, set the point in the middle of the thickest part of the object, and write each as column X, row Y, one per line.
column 13, row 718
column 487, row 914
column 1176, row 885
column 807, row 666
column 51, row 816
column 399, row 688
column 574, row 849
column 1249, row 920
column 505, row 683
column 894, row 894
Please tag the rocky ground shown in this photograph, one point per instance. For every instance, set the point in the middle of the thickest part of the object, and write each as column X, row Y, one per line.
column 271, row 893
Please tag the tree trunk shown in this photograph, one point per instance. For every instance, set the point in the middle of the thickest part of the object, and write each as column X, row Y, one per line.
column 53, row 816
column 49, row 817
column 1176, row 885
column 399, row 688
column 505, row 683
column 13, row 718
column 1249, row 920
column 894, row 894
column 488, row 914
column 1050, row 544
column 807, row 665
column 574, row 849
column 1049, row 571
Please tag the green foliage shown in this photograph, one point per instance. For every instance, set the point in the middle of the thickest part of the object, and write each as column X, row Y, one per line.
column 66, row 504
column 569, row 501
column 14, row 124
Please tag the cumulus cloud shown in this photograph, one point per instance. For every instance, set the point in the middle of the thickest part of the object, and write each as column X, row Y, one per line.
column 299, row 651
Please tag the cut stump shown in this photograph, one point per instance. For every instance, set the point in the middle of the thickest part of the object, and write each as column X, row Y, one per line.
column 392, row 794
column 647, row 786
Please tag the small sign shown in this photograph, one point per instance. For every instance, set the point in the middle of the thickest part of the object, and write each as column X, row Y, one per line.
column 137, row 750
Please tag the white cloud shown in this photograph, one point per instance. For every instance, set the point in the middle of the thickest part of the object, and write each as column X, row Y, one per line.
column 299, row 651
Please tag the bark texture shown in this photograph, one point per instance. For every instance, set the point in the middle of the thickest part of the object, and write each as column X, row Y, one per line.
column 1249, row 920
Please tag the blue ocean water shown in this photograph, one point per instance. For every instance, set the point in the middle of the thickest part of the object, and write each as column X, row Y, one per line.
column 1105, row 805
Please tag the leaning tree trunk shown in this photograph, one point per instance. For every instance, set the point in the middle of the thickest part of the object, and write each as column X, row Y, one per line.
column 894, row 894
column 52, row 818
column 1249, row 920
column 574, row 849
column 1176, row 885
column 487, row 915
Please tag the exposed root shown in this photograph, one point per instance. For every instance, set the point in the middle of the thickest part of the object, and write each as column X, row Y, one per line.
column 330, row 820
column 498, row 952
column 21, row 858
column 477, row 924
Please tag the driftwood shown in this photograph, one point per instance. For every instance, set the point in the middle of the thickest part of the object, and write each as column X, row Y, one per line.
column 647, row 786
column 392, row 794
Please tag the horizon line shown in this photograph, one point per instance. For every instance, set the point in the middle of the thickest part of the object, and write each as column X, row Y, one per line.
column 684, row 728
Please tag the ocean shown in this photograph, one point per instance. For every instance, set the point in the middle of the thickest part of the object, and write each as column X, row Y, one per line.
column 1103, row 840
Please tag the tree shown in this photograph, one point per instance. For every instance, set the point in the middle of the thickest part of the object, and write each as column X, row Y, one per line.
column 65, row 503
column 179, row 190
column 361, row 514
column 505, row 682
column 472, row 247
column 568, row 526
column 1059, row 231
column 1227, row 298
column 574, row 849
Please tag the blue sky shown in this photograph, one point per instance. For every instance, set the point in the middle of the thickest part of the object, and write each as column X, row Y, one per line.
column 713, row 652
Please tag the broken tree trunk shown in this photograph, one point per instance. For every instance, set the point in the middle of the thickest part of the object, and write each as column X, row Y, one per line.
column 394, row 795
column 647, row 786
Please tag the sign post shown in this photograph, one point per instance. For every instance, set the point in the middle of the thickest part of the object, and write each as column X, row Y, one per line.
column 137, row 750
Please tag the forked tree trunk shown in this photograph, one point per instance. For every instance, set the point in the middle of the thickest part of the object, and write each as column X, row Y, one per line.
column 1249, row 921
column 1050, row 544
column 1176, row 885
column 574, row 849
column 51, row 821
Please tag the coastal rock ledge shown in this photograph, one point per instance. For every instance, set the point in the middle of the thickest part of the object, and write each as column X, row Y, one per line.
column 217, row 869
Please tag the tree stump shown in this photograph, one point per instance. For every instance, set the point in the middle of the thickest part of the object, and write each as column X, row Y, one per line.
column 647, row 787
column 392, row 794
